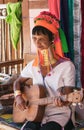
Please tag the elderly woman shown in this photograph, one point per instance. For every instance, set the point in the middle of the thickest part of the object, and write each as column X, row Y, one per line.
column 52, row 70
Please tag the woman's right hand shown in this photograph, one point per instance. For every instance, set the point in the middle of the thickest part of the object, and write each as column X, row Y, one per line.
column 20, row 102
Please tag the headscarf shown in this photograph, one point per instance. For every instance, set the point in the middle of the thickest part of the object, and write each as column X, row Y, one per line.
column 50, row 22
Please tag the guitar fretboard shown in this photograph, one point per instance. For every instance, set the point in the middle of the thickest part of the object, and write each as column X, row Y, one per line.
column 47, row 100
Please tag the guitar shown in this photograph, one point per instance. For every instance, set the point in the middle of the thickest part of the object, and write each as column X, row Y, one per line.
column 35, row 97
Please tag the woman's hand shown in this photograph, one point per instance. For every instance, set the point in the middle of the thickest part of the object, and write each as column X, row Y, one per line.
column 58, row 102
column 20, row 103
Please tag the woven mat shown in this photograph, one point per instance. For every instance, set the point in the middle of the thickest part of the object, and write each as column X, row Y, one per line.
column 7, row 122
column 4, row 126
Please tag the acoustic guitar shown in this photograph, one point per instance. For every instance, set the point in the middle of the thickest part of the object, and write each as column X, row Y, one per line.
column 35, row 97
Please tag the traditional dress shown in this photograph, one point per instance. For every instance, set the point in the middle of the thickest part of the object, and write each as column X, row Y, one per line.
column 61, row 75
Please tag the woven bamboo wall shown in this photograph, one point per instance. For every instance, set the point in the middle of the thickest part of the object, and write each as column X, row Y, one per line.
column 11, row 60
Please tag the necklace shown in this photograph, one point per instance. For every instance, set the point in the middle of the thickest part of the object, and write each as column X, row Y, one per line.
column 47, row 60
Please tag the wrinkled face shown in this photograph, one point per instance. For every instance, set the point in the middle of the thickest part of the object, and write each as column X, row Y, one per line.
column 41, row 41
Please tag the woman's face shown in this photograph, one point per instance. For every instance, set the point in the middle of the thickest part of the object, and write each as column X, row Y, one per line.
column 41, row 41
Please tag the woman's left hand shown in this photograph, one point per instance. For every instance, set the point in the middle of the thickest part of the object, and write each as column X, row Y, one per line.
column 58, row 102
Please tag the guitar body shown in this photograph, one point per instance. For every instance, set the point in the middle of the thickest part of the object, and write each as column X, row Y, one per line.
column 35, row 97
column 34, row 112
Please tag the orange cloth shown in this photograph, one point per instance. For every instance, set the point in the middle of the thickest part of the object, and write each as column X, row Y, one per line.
column 47, row 20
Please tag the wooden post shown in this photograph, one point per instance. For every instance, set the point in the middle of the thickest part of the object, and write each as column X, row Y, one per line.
column 26, row 28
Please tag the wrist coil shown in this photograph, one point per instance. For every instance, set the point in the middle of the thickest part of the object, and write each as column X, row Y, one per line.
column 17, row 93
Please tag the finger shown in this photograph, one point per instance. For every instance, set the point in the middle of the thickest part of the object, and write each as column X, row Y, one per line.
column 55, row 102
column 59, row 102
column 22, row 107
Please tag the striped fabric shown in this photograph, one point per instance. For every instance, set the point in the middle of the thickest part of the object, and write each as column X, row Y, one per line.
column 82, row 43
column 77, row 36
column 70, row 17
column 70, row 29
column 54, row 7
column 64, row 20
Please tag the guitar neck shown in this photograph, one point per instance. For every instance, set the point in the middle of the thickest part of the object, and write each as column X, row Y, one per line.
column 47, row 100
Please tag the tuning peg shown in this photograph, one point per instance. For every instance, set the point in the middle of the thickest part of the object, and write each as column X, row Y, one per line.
column 81, row 105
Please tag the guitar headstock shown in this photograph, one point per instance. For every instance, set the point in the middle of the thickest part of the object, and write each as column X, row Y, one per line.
column 75, row 97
